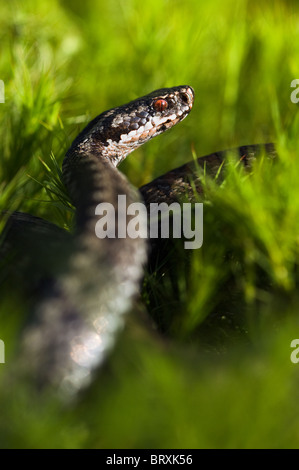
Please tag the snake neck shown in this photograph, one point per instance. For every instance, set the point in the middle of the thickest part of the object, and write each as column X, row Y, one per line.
column 92, row 180
column 87, row 177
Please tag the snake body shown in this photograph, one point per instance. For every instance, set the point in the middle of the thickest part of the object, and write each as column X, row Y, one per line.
column 81, row 310
column 92, row 282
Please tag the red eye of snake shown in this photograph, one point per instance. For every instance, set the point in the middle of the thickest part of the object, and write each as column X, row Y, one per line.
column 160, row 105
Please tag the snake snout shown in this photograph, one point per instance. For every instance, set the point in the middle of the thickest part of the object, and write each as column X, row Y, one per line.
column 187, row 96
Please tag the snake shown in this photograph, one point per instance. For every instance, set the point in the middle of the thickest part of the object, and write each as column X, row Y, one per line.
column 90, row 282
column 81, row 304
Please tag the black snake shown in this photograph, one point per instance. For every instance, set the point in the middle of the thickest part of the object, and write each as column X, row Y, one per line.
column 82, row 306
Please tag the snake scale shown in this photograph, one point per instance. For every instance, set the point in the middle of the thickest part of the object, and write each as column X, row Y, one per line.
column 81, row 307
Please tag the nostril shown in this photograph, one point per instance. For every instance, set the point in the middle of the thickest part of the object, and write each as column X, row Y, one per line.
column 188, row 96
column 185, row 98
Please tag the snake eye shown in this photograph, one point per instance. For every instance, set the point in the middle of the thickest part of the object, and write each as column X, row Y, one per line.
column 160, row 105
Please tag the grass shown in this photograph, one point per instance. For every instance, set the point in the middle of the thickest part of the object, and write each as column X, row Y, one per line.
column 220, row 375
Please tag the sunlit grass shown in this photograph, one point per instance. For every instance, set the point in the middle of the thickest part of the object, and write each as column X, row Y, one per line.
column 219, row 374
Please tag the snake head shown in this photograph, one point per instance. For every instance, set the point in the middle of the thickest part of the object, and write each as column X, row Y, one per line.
column 117, row 132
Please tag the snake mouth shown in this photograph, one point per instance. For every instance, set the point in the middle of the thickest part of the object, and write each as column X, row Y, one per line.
column 169, row 123
column 173, row 121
